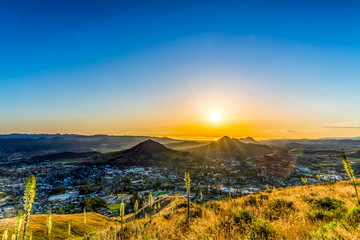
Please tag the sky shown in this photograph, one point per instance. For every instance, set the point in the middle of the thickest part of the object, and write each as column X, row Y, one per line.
column 183, row 69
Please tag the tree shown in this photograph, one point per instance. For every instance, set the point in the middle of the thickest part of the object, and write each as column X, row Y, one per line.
column 93, row 204
column 136, row 198
column 49, row 224
column 350, row 172
column 29, row 194
column 187, row 184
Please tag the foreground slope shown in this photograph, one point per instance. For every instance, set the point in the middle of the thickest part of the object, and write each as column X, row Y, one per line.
column 37, row 225
column 323, row 211
column 326, row 211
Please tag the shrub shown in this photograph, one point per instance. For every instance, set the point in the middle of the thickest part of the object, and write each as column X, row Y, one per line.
column 250, row 201
column 261, row 230
column 353, row 217
column 243, row 216
column 93, row 204
column 279, row 208
column 264, row 197
column 327, row 204
column 196, row 212
column 326, row 209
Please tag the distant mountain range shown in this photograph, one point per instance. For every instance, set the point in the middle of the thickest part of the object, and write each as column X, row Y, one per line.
column 227, row 146
column 150, row 152
column 36, row 144
column 62, row 156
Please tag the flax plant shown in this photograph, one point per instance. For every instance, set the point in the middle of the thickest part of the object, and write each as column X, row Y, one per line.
column 18, row 224
column 122, row 214
column 29, row 195
column 5, row 235
column 187, row 183
column 150, row 203
column 49, row 224
column 350, row 172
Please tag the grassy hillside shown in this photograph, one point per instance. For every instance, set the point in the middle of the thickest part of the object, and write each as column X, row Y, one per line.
column 307, row 212
column 325, row 211
column 95, row 222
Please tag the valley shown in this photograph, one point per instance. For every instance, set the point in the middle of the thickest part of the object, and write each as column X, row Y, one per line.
column 68, row 181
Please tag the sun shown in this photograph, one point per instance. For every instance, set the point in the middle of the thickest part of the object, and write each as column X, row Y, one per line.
column 215, row 117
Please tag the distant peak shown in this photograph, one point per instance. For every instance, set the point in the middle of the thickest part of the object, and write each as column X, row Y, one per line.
column 224, row 138
column 247, row 140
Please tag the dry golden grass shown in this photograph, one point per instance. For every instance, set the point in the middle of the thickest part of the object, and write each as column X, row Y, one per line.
column 37, row 225
column 218, row 222
column 221, row 219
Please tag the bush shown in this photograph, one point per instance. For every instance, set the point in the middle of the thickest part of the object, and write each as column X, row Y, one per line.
column 326, row 209
column 196, row 212
column 261, row 230
column 328, row 204
column 264, row 197
column 250, row 201
column 93, row 204
column 279, row 208
column 353, row 218
column 243, row 216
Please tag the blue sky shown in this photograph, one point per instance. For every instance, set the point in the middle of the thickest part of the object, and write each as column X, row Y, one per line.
column 282, row 69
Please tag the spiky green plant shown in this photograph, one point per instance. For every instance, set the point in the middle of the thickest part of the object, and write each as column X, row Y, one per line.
column 267, row 187
column 333, row 172
column 49, row 224
column 122, row 214
column 13, row 237
column 150, row 203
column 274, row 188
column 136, row 206
column 302, row 179
column 318, row 177
column 187, row 184
column 18, row 224
column 350, row 172
column 29, row 195
column 69, row 229
column 324, row 175
column 145, row 216
column 5, row 235
column 201, row 197
column 84, row 218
